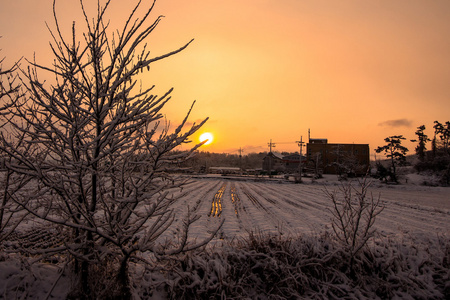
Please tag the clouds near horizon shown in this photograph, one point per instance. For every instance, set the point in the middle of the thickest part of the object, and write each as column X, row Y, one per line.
column 396, row 123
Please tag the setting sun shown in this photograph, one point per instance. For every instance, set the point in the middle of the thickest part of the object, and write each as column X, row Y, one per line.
column 208, row 137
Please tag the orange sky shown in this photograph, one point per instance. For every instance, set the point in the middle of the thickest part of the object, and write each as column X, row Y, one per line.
column 351, row 71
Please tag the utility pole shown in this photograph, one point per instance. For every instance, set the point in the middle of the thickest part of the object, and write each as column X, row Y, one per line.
column 270, row 157
column 271, row 145
column 240, row 159
column 300, row 165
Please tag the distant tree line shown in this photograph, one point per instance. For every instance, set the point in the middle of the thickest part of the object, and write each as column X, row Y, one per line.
column 203, row 160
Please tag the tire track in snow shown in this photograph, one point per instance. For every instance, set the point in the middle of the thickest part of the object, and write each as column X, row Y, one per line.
column 264, row 212
column 236, row 201
column 246, row 220
column 399, row 214
column 275, row 198
column 396, row 216
column 298, row 217
column 310, row 213
column 216, row 204
column 300, row 193
column 396, row 219
column 197, row 195
column 190, row 187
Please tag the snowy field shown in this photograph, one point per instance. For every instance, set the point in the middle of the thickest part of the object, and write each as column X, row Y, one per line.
column 411, row 212
column 293, row 209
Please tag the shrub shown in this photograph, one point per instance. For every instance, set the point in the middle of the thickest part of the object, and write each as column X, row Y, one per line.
column 353, row 216
column 313, row 267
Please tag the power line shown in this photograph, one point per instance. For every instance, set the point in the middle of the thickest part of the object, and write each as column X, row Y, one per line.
column 285, row 142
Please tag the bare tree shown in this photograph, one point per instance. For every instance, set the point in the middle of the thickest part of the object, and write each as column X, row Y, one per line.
column 316, row 161
column 354, row 212
column 95, row 149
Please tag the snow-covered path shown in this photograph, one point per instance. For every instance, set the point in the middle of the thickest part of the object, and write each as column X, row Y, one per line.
column 304, row 208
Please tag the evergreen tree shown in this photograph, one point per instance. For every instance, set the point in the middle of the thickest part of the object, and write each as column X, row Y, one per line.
column 443, row 131
column 395, row 152
column 437, row 129
column 445, row 136
column 422, row 140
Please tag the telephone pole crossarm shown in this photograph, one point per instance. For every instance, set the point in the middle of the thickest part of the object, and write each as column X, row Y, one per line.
column 271, row 145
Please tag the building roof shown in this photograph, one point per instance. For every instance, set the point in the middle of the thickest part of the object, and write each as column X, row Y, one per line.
column 318, row 141
column 276, row 155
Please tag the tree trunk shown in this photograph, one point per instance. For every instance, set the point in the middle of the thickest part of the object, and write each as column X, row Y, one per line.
column 394, row 174
column 84, row 270
column 123, row 280
column 5, row 196
column 84, row 279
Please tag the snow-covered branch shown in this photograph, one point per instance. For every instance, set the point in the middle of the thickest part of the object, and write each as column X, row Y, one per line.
column 87, row 143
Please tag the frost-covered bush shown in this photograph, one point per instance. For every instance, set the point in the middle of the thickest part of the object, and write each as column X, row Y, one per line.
column 354, row 211
column 263, row 267
column 272, row 267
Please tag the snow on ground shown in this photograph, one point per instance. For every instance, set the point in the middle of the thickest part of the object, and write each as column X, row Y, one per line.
column 293, row 209
column 268, row 206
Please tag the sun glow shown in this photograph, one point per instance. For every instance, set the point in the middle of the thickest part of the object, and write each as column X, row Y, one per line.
column 206, row 137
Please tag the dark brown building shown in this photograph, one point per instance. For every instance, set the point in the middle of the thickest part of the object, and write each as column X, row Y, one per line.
column 350, row 159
